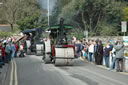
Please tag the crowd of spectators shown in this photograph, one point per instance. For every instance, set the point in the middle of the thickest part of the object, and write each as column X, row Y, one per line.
column 8, row 50
column 92, row 50
column 99, row 53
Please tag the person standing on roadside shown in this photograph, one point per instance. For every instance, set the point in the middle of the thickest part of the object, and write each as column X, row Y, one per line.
column 91, row 51
column 7, row 51
column 119, row 56
column 114, row 63
column 107, row 50
column 78, row 48
column 96, row 47
column 13, row 50
column 16, row 46
column 100, row 53
column 0, row 55
column 85, row 53
column 3, row 53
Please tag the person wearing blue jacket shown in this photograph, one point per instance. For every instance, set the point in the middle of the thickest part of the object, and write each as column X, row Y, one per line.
column 13, row 48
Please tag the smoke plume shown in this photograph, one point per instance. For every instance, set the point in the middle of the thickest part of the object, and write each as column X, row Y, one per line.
column 44, row 5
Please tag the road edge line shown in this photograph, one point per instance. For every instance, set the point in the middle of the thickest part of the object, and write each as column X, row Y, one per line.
column 16, row 79
column 11, row 76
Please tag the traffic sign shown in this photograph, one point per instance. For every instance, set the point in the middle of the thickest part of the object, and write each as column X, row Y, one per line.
column 124, row 26
column 86, row 33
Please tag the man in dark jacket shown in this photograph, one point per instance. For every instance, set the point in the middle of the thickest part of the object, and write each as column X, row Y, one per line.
column 107, row 50
column 79, row 48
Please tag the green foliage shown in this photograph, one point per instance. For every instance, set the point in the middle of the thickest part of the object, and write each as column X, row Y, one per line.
column 91, row 14
column 125, row 13
column 76, row 32
column 15, row 10
column 5, row 34
column 30, row 22
column 108, row 30
column 99, row 17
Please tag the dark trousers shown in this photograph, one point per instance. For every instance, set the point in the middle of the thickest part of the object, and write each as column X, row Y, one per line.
column 96, row 58
column 119, row 64
column 21, row 53
column 15, row 54
column 0, row 61
column 7, row 57
column 0, row 65
column 3, row 59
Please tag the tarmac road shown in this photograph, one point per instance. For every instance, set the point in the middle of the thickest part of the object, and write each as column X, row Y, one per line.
column 31, row 70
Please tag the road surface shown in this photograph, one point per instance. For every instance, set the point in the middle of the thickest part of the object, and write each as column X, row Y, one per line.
column 31, row 70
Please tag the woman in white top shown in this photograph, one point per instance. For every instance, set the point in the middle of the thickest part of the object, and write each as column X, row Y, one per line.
column 91, row 51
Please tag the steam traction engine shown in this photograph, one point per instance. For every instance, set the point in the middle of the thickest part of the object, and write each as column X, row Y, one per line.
column 33, row 41
column 56, row 48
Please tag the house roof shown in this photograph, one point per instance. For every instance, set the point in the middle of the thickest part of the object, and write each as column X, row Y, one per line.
column 5, row 28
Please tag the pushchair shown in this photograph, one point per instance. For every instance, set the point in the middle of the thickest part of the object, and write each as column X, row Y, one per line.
column 21, row 51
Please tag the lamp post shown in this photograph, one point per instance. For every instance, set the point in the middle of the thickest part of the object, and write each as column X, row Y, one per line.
column 1, row 3
column 48, row 13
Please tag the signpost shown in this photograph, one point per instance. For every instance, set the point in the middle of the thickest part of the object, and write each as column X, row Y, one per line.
column 125, row 39
column 48, row 12
column 86, row 34
column 124, row 26
column 1, row 3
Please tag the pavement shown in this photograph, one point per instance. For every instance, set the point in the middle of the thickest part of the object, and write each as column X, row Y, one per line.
column 103, row 66
column 31, row 70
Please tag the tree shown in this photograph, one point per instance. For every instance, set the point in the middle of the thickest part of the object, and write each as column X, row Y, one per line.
column 10, row 9
column 65, row 2
column 14, row 10
column 125, row 14
column 54, row 18
column 30, row 22
column 89, row 14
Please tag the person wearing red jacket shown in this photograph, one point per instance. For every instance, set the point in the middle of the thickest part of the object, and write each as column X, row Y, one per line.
column 16, row 46
column 3, row 54
column 0, row 55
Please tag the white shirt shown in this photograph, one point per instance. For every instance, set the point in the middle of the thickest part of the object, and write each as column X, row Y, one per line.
column 113, row 52
column 91, row 48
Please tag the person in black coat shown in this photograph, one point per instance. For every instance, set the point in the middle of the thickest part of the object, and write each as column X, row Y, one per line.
column 100, row 53
column 96, row 46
